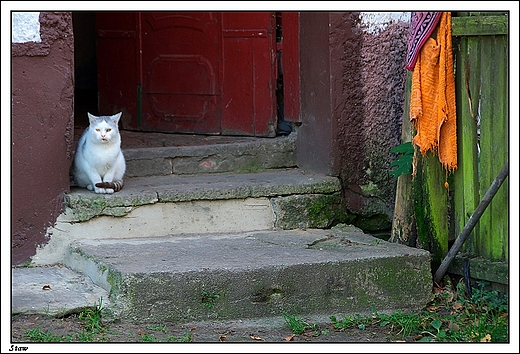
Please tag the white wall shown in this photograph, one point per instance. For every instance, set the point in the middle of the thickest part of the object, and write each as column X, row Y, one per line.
column 373, row 22
column 25, row 27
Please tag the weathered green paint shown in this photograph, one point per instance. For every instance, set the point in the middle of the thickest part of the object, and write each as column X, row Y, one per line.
column 482, row 96
column 479, row 25
column 494, row 145
column 483, row 269
column 465, row 183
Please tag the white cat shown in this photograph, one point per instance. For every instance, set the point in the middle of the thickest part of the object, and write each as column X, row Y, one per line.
column 99, row 163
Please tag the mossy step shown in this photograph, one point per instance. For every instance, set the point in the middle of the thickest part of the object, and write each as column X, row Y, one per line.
column 158, row 206
column 254, row 274
column 83, row 204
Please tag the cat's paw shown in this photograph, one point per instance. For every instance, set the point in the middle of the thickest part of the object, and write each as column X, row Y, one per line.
column 100, row 190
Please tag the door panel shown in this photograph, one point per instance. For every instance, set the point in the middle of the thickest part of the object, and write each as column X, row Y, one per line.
column 189, row 72
column 181, row 83
column 249, row 73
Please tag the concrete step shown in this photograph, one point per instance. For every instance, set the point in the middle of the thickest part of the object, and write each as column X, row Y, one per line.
column 191, row 204
column 54, row 291
column 253, row 274
column 156, row 154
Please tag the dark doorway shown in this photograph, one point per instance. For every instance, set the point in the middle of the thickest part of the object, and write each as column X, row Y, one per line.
column 85, row 67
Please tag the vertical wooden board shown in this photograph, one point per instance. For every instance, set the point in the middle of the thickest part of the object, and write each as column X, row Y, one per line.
column 244, row 20
column 494, row 145
column 403, row 222
column 264, row 89
column 465, row 178
column 237, row 96
column 249, row 65
column 498, row 232
column 420, row 205
column 502, row 110
column 486, row 122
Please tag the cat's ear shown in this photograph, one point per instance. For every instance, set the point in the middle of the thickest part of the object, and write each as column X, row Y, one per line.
column 116, row 117
column 92, row 118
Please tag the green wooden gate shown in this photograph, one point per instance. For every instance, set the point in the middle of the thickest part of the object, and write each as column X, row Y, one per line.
column 480, row 44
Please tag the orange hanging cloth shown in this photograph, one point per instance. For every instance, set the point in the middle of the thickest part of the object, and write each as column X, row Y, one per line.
column 432, row 103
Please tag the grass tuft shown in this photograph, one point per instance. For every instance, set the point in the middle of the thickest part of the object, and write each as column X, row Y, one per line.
column 450, row 317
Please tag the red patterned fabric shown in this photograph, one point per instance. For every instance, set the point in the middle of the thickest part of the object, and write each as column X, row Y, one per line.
column 422, row 24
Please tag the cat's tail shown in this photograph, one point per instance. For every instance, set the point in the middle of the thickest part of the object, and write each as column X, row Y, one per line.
column 116, row 185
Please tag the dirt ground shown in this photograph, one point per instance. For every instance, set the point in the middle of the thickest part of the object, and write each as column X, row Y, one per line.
column 200, row 333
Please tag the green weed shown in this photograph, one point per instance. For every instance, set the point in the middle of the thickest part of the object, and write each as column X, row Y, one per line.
column 92, row 317
column 450, row 317
column 145, row 337
column 186, row 338
column 209, row 298
column 150, row 338
column 403, row 163
column 297, row 324
column 159, row 328
column 27, row 264
column 37, row 335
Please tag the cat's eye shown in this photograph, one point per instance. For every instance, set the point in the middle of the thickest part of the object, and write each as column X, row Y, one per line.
column 108, row 129
column 97, row 129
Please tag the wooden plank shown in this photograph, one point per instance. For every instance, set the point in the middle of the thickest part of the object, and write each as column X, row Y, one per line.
column 479, row 25
column 494, row 145
column 486, row 142
column 500, row 204
column 496, row 272
column 465, row 178
column 501, row 218
column 403, row 222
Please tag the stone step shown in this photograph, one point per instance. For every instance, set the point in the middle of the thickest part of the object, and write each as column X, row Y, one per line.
column 233, row 276
column 155, row 154
column 191, row 204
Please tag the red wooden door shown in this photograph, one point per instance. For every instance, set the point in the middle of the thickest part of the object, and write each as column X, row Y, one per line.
column 249, row 85
column 181, row 58
column 189, row 72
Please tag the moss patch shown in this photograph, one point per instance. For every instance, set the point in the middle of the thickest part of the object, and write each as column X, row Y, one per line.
column 309, row 211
